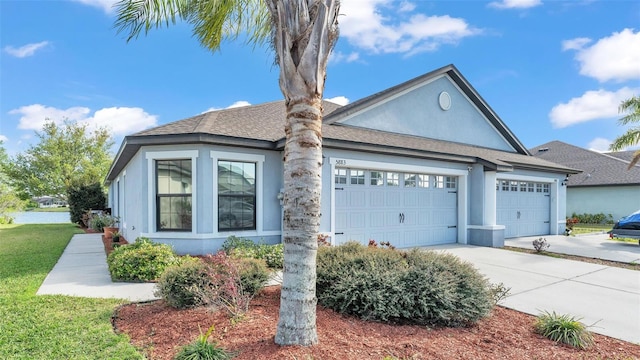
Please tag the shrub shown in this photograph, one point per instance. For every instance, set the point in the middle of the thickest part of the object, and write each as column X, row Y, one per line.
column 83, row 198
column 599, row 218
column 253, row 275
column 414, row 287
column 143, row 260
column 228, row 288
column 239, row 247
column 540, row 244
column 499, row 292
column 564, row 329
column 185, row 285
column 202, row 349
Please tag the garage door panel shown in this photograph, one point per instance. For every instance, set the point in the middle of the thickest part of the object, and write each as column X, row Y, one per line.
column 403, row 215
column 524, row 210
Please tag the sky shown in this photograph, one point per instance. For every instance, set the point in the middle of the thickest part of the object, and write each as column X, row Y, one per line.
column 551, row 70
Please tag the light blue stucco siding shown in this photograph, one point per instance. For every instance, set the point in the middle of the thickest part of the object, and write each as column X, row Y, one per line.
column 138, row 206
column 619, row 201
column 418, row 113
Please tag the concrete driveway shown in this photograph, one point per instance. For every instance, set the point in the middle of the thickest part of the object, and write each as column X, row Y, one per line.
column 607, row 297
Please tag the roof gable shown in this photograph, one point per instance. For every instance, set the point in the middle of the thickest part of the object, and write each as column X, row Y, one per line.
column 598, row 169
column 440, row 105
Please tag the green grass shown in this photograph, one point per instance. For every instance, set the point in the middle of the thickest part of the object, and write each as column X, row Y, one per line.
column 598, row 228
column 55, row 209
column 50, row 327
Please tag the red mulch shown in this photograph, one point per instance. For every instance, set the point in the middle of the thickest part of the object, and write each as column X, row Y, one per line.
column 506, row 334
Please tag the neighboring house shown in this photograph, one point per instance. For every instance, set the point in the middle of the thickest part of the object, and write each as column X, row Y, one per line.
column 425, row 162
column 49, row 201
column 605, row 185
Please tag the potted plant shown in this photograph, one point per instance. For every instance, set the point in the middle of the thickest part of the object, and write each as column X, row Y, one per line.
column 105, row 223
column 116, row 236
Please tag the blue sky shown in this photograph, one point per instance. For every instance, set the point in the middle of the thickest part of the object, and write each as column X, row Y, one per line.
column 552, row 70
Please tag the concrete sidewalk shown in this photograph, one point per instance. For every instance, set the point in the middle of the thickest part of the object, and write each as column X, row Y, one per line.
column 607, row 297
column 82, row 271
column 592, row 245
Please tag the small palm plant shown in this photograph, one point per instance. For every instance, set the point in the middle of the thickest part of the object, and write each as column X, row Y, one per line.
column 564, row 329
column 202, row 349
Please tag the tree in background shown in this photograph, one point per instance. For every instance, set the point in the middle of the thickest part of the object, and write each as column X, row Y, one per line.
column 302, row 34
column 632, row 136
column 9, row 201
column 67, row 154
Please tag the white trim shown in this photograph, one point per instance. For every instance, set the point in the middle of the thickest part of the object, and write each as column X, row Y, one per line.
column 190, row 236
column 332, row 228
column 231, row 156
column 486, row 227
column 151, row 185
column 539, row 179
column 376, row 165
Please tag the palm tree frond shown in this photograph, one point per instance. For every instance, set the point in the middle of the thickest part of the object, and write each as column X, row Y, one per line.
column 136, row 16
column 632, row 107
column 630, row 138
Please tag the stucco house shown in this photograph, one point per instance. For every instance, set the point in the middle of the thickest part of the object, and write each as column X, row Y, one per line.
column 424, row 162
column 605, row 185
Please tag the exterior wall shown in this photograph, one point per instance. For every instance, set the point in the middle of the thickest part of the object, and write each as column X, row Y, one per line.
column 137, row 207
column 418, row 113
column 619, row 201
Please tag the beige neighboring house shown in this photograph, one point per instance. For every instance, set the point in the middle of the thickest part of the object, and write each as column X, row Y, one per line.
column 606, row 185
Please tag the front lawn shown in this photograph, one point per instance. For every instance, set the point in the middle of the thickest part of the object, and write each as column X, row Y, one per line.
column 50, row 327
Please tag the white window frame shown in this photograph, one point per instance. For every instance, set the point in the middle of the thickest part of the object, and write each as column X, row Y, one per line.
column 151, row 157
column 240, row 157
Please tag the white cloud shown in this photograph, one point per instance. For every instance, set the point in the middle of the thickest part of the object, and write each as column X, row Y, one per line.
column 105, row 5
column 365, row 26
column 575, row 44
column 515, row 4
column 599, row 144
column 594, row 104
column 25, row 50
column 340, row 100
column 237, row 104
column 338, row 57
column 119, row 120
column 3, row 138
column 616, row 57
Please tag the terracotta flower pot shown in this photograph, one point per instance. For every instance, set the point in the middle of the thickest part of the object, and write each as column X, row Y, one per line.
column 108, row 232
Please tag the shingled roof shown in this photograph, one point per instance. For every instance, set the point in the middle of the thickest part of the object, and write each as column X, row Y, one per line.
column 598, row 169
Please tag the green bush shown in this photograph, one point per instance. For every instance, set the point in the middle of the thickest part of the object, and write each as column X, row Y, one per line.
column 564, row 329
column 143, row 260
column 186, row 285
column 599, row 218
column 239, row 247
column 202, row 349
column 253, row 275
column 418, row 287
column 85, row 197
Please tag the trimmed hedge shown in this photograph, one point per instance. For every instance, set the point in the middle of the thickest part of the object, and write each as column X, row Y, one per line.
column 186, row 285
column 239, row 247
column 143, row 260
column 85, row 197
column 418, row 287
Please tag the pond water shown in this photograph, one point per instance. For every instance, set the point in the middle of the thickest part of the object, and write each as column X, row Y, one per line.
column 36, row 217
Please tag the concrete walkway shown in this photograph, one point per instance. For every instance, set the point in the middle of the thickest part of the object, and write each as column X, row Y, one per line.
column 82, row 271
column 607, row 297
column 592, row 245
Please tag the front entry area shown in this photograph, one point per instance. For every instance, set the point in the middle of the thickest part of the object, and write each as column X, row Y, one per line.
column 406, row 209
column 523, row 207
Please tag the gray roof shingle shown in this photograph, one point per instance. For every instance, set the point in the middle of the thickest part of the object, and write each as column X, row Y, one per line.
column 598, row 169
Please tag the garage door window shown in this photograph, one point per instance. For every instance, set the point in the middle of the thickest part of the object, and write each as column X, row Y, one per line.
column 450, row 182
column 423, row 181
column 377, row 178
column 409, row 180
column 393, row 179
column 341, row 176
column 357, row 177
column 438, row 182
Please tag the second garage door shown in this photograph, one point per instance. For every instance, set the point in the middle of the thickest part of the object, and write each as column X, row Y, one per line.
column 405, row 209
column 523, row 207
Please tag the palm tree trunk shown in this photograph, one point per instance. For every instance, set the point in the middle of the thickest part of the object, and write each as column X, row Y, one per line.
column 303, row 182
column 304, row 34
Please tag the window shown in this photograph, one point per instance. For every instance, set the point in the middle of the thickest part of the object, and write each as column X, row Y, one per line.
column 393, row 179
column 173, row 195
column 438, row 182
column 409, row 180
column 514, row 186
column 450, row 182
column 236, row 195
column 530, row 187
column 545, row 188
column 377, row 178
column 356, row 177
column 538, row 187
column 505, row 185
column 423, row 181
column 523, row 186
column 341, row 176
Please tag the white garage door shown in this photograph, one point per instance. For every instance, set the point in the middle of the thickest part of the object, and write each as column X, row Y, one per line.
column 405, row 209
column 523, row 207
